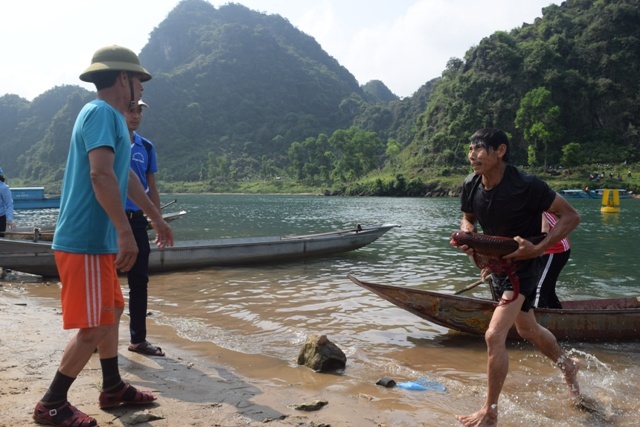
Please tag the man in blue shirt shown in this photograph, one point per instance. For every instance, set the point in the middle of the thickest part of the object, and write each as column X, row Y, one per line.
column 143, row 164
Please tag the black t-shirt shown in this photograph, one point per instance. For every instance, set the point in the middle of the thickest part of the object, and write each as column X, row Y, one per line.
column 512, row 208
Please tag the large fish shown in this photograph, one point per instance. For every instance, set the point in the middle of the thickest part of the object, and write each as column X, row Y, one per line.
column 488, row 252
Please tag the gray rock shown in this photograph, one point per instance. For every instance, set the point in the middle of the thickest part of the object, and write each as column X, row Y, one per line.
column 141, row 418
column 313, row 406
column 321, row 355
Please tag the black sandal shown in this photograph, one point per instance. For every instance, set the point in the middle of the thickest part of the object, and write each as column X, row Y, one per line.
column 147, row 349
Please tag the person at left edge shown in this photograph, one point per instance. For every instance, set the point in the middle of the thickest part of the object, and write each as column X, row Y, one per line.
column 6, row 206
column 93, row 238
column 144, row 165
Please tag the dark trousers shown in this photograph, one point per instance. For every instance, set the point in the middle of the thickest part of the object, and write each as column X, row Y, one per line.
column 546, row 291
column 3, row 225
column 138, row 278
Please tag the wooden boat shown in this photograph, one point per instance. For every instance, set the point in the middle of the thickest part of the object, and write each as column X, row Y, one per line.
column 45, row 234
column 37, row 257
column 580, row 320
column 33, row 198
column 171, row 216
column 35, row 234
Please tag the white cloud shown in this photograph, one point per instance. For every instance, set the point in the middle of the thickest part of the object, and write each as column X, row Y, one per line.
column 414, row 47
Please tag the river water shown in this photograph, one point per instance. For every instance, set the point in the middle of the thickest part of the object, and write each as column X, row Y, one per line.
column 270, row 309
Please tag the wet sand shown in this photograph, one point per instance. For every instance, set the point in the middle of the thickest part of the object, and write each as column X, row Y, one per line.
column 201, row 384
column 197, row 384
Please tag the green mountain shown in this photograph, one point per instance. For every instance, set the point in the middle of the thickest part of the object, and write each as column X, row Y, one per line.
column 238, row 95
column 36, row 134
column 236, row 84
column 230, row 85
column 565, row 88
column 376, row 91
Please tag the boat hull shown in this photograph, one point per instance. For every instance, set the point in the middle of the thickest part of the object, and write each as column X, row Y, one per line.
column 591, row 194
column 585, row 320
column 37, row 257
column 33, row 198
column 577, row 194
column 34, row 234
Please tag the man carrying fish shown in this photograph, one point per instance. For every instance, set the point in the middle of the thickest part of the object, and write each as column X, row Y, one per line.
column 508, row 203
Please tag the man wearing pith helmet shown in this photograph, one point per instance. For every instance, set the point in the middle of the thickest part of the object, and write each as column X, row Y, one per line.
column 93, row 238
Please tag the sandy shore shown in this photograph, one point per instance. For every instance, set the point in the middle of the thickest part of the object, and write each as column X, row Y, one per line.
column 197, row 384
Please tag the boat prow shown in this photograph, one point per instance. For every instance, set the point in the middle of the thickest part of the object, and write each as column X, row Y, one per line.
column 594, row 319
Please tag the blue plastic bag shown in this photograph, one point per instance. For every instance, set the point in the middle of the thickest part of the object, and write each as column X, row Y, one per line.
column 422, row 384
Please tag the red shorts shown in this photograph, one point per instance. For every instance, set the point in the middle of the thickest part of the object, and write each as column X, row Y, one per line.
column 90, row 289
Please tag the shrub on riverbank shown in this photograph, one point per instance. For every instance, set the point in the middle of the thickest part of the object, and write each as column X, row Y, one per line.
column 444, row 182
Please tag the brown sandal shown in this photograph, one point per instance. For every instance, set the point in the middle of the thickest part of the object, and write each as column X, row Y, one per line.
column 112, row 400
column 65, row 415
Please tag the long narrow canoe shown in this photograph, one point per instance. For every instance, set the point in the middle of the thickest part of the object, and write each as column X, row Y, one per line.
column 37, row 257
column 37, row 234
column 583, row 320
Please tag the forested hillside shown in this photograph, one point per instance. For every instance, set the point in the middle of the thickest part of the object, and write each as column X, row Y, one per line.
column 241, row 96
column 566, row 88
column 233, row 85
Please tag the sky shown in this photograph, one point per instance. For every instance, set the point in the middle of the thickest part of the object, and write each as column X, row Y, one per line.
column 403, row 43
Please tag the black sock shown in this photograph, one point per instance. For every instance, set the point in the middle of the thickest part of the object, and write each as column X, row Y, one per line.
column 110, row 374
column 57, row 392
column 129, row 394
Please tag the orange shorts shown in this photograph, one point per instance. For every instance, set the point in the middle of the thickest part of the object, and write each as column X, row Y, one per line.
column 90, row 289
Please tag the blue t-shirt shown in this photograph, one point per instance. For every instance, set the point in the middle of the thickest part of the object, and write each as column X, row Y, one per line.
column 143, row 162
column 83, row 225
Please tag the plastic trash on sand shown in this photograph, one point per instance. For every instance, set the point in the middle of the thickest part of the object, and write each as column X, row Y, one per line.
column 422, row 384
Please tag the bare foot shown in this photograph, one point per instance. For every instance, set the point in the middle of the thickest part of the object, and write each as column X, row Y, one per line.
column 570, row 368
column 589, row 404
column 485, row 417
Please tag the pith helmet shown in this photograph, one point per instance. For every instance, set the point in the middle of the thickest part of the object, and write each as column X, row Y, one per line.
column 114, row 58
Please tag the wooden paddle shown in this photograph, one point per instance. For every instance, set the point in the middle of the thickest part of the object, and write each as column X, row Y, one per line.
column 167, row 204
column 328, row 233
column 471, row 286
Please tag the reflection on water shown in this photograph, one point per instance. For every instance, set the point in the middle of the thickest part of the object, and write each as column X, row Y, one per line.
column 271, row 309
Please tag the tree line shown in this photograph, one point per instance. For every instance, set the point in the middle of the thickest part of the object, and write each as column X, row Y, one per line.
column 238, row 96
